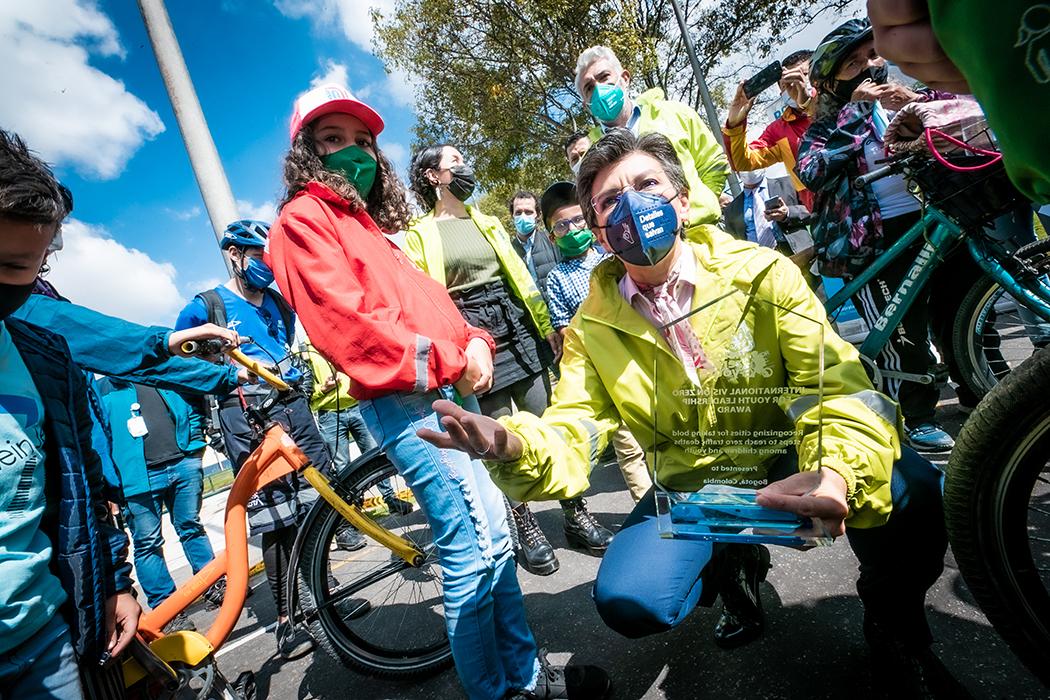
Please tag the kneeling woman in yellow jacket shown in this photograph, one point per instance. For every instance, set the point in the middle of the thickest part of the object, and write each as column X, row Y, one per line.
column 888, row 503
column 470, row 253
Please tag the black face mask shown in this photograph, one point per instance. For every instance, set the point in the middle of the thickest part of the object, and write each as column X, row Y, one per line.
column 844, row 88
column 463, row 183
column 12, row 296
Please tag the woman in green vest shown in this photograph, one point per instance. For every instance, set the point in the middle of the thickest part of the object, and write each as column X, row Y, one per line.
column 471, row 254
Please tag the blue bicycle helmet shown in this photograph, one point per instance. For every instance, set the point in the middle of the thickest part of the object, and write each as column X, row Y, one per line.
column 245, row 233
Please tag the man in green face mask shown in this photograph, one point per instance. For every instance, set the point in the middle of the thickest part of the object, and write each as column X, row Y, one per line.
column 604, row 84
column 567, row 286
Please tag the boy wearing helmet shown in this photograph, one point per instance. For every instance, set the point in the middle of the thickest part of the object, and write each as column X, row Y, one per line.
column 247, row 304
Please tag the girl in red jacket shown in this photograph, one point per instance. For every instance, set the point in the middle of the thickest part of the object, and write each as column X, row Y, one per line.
column 399, row 337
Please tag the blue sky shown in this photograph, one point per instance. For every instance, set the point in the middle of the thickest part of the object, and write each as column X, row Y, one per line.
column 82, row 87
column 89, row 97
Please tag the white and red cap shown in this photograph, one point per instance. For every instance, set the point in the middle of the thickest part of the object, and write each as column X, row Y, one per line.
column 330, row 99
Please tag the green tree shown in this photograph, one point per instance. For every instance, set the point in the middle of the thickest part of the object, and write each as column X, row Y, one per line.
column 496, row 77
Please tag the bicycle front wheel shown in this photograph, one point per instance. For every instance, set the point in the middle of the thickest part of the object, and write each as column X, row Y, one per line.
column 993, row 334
column 997, row 509
column 403, row 633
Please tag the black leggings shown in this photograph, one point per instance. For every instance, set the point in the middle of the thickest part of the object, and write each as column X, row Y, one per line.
column 277, row 555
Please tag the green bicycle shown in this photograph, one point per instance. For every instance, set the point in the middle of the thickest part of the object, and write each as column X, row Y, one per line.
column 1006, row 315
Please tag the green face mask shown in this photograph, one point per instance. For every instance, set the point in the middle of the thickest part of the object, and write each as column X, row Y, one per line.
column 356, row 164
column 575, row 243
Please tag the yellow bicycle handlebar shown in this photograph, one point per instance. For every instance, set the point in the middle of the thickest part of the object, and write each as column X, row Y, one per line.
column 194, row 347
column 255, row 368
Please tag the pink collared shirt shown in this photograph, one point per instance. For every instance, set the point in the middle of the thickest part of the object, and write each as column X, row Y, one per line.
column 682, row 340
column 682, row 294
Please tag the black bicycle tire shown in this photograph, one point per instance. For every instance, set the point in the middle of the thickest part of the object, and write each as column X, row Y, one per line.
column 329, row 635
column 966, row 345
column 986, row 479
column 964, row 348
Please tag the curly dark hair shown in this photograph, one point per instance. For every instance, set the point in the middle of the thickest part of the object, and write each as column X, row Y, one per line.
column 523, row 194
column 797, row 57
column 386, row 203
column 29, row 191
column 426, row 158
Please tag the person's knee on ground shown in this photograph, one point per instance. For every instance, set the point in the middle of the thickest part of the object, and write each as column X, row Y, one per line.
column 625, row 610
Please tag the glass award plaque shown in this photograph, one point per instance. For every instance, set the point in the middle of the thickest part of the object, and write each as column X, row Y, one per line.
column 732, row 417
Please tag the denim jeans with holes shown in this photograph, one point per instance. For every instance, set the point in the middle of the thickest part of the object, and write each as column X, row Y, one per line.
column 484, row 611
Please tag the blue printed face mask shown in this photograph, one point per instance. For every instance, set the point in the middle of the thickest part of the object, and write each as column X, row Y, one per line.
column 607, row 102
column 525, row 224
column 642, row 229
column 255, row 273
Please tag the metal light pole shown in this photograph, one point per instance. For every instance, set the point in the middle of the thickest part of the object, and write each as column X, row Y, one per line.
column 705, row 95
column 204, row 158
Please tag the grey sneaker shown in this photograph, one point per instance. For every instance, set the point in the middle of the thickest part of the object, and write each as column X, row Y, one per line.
column 350, row 540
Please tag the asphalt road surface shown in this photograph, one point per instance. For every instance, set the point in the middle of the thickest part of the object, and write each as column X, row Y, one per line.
column 813, row 646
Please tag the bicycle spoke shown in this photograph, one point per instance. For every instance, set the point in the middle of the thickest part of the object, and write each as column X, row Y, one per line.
column 365, row 582
column 1038, row 510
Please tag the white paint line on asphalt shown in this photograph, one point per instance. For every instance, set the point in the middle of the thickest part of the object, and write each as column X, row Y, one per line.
column 245, row 639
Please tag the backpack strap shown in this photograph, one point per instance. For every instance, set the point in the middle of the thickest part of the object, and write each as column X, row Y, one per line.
column 215, row 307
column 287, row 315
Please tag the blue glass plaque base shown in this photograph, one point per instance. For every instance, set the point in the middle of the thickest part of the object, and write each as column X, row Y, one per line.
column 726, row 514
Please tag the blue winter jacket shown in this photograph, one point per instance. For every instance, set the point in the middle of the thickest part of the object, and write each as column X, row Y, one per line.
column 89, row 554
column 119, row 348
column 117, row 397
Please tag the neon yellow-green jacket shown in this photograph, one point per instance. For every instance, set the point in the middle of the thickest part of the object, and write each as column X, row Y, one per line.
column 337, row 399
column 423, row 247
column 703, row 158
column 607, row 371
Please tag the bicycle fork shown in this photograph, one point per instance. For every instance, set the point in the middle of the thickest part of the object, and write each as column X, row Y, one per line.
column 398, row 545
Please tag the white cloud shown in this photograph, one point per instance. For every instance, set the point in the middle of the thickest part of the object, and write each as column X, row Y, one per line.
column 333, row 73
column 354, row 17
column 69, row 111
column 96, row 271
column 184, row 214
column 396, row 152
column 267, row 211
column 199, row 286
column 400, row 87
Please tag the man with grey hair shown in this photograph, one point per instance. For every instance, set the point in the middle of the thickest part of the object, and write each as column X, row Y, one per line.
column 635, row 196
column 604, row 86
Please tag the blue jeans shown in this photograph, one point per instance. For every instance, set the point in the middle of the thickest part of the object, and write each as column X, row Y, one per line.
column 484, row 611
column 334, row 427
column 647, row 584
column 179, row 487
column 43, row 667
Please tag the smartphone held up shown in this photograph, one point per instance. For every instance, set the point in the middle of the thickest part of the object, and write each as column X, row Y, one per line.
column 765, row 78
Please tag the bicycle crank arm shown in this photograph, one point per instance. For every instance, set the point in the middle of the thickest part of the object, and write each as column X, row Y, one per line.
column 908, row 376
column 365, row 525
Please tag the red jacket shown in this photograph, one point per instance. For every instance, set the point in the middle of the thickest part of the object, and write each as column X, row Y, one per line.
column 365, row 306
column 777, row 144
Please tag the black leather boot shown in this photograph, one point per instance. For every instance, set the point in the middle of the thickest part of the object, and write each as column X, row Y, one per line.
column 535, row 553
column 911, row 671
column 581, row 529
column 742, row 568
